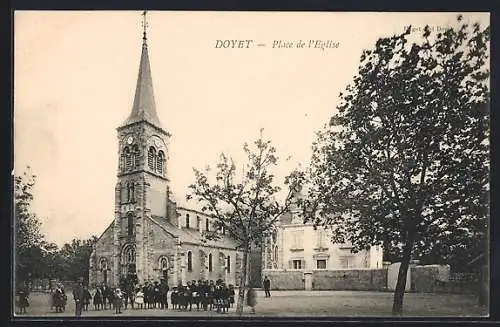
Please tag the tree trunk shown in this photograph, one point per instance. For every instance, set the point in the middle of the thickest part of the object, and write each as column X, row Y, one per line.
column 399, row 292
column 243, row 284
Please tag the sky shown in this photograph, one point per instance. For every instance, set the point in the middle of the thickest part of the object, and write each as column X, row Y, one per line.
column 74, row 83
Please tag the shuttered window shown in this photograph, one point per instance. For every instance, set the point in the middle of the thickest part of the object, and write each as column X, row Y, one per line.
column 297, row 264
column 128, row 159
column 159, row 162
column 151, row 158
column 321, row 264
column 190, row 261
column 135, row 156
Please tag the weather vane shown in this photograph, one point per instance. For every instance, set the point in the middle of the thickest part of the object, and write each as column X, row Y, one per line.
column 144, row 23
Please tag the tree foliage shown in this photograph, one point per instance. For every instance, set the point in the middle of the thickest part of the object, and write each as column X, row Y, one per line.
column 405, row 161
column 34, row 256
column 245, row 208
column 28, row 238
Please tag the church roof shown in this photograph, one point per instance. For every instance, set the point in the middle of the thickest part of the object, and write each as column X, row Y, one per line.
column 144, row 107
column 193, row 236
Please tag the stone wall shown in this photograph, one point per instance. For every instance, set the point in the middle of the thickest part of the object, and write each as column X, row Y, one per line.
column 103, row 250
column 350, row 279
column 438, row 279
column 285, row 280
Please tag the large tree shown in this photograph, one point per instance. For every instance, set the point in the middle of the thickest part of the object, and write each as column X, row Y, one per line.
column 245, row 208
column 405, row 161
column 74, row 257
column 29, row 240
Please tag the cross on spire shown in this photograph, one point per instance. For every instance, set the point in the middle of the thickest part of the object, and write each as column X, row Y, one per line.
column 144, row 24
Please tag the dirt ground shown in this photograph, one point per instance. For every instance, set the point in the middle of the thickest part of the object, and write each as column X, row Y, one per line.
column 300, row 304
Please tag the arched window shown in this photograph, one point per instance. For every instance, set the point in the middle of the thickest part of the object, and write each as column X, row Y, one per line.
column 187, row 220
column 228, row 264
column 135, row 155
column 276, row 253
column 130, row 191
column 130, row 225
column 163, row 263
column 103, row 264
column 128, row 158
column 129, row 254
column 190, row 261
column 207, row 225
column 198, row 222
column 159, row 162
column 152, row 158
column 210, row 262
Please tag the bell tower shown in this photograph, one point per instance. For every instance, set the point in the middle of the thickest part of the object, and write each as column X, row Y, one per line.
column 141, row 190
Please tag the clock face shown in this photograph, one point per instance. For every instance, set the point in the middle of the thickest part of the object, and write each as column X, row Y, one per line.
column 130, row 139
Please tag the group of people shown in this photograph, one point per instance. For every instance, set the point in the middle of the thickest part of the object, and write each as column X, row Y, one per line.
column 203, row 294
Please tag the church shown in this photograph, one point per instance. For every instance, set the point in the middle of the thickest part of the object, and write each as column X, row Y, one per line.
column 150, row 237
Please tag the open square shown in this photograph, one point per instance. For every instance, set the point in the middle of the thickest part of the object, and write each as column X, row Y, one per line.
column 301, row 304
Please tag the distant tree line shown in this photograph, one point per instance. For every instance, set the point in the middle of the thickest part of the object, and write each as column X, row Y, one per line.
column 34, row 256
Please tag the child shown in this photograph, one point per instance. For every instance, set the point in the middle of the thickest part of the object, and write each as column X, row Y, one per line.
column 118, row 300
column 139, row 298
column 251, row 299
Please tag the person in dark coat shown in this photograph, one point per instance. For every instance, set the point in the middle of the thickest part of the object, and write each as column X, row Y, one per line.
column 78, row 297
column 86, row 298
column 98, row 299
column 267, row 286
column 23, row 302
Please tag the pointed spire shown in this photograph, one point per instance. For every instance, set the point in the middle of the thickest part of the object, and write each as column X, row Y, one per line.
column 144, row 107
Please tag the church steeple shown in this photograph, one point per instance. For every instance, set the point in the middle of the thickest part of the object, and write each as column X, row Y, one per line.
column 144, row 107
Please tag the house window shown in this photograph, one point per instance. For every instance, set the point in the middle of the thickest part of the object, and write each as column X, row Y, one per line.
column 152, row 158
column 228, row 264
column 190, row 261
column 297, row 264
column 321, row 264
column 159, row 162
column 321, row 238
column 210, row 262
column 198, row 222
column 130, row 225
column 297, row 239
column 207, row 225
column 187, row 220
column 346, row 262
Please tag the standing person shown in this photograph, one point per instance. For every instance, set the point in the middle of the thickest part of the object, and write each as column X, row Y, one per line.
column 251, row 298
column 98, row 299
column 267, row 286
column 78, row 296
column 139, row 297
column 23, row 302
column 86, row 298
column 118, row 300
